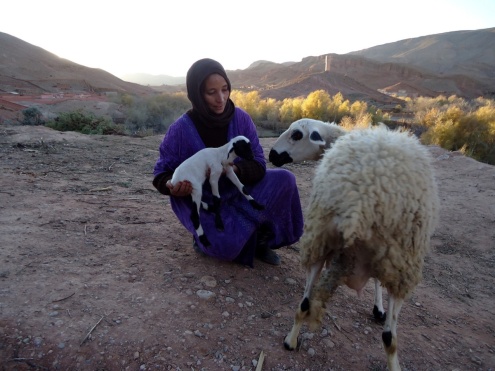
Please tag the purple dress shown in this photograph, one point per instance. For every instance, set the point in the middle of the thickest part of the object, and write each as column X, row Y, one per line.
column 277, row 191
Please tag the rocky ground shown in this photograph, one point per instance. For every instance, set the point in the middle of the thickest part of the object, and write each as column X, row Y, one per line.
column 96, row 273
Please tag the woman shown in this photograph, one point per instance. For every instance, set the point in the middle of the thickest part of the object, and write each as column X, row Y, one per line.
column 212, row 122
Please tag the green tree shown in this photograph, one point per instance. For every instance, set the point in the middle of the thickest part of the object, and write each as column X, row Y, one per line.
column 32, row 116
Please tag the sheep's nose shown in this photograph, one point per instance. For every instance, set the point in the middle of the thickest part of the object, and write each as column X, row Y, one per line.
column 279, row 159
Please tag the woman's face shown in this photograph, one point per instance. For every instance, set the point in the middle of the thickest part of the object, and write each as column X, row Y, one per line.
column 216, row 93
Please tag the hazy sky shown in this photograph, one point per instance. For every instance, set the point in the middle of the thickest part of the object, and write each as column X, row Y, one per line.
column 167, row 36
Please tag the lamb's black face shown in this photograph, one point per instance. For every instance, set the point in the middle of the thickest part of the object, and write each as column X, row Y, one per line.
column 243, row 149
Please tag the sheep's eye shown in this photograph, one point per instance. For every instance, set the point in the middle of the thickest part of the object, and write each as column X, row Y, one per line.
column 296, row 135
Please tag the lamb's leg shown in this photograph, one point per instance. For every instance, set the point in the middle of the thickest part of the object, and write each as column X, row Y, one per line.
column 196, row 200
column 216, row 201
column 389, row 334
column 218, row 218
column 234, row 179
column 302, row 311
column 378, row 311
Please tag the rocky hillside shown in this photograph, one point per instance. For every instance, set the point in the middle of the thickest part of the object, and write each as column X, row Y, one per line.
column 30, row 70
column 455, row 63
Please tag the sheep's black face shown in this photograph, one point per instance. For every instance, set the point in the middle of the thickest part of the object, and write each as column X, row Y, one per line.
column 243, row 149
column 279, row 159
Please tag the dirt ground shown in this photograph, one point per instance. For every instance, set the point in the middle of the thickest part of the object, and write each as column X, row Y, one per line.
column 96, row 273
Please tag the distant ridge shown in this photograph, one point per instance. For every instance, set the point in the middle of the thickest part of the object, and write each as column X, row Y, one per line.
column 153, row 80
column 469, row 53
column 454, row 63
column 29, row 69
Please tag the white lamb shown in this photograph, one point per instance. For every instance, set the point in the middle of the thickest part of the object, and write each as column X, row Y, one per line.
column 372, row 210
column 212, row 163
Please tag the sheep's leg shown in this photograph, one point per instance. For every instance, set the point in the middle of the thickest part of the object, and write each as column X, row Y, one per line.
column 196, row 200
column 234, row 179
column 378, row 311
column 302, row 311
column 389, row 334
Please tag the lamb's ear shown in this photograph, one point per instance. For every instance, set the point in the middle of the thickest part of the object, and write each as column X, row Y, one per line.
column 316, row 138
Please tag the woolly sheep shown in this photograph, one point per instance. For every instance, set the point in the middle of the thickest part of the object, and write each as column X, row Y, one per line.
column 212, row 163
column 372, row 210
column 306, row 140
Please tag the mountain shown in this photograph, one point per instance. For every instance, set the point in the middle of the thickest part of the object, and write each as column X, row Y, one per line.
column 28, row 69
column 463, row 53
column 153, row 80
column 458, row 63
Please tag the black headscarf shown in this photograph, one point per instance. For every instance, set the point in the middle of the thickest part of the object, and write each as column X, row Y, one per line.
column 195, row 80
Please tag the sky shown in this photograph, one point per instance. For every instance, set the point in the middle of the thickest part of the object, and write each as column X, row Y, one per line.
column 165, row 37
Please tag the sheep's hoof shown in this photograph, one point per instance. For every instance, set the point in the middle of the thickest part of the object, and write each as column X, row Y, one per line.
column 287, row 346
column 379, row 316
column 256, row 205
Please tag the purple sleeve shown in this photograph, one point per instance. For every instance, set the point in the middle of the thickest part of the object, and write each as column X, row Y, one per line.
column 180, row 142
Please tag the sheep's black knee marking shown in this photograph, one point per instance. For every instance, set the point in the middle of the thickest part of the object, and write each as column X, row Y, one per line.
column 379, row 315
column 195, row 216
column 305, row 305
column 387, row 338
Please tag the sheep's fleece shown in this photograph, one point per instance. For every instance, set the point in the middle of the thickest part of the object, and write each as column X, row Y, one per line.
column 375, row 185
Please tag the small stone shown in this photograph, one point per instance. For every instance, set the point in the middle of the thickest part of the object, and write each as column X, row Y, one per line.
column 209, row 281
column 205, row 294
column 328, row 343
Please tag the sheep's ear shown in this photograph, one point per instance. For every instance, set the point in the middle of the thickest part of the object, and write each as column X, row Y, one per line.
column 316, row 138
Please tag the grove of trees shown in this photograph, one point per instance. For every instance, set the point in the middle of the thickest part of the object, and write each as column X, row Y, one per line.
column 453, row 123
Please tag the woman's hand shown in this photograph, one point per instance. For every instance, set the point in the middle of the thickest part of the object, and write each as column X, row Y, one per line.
column 181, row 189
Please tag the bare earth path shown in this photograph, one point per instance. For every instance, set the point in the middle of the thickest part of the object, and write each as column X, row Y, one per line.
column 96, row 273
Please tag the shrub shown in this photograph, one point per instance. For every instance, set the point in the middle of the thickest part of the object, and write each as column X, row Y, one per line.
column 32, row 116
column 85, row 123
column 472, row 133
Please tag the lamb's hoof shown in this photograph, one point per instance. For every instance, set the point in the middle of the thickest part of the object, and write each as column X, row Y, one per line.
column 198, row 249
column 204, row 241
column 379, row 316
column 256, row 205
